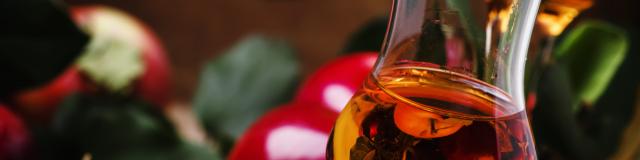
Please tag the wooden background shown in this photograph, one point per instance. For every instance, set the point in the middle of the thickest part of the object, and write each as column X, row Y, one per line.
column 195, row 31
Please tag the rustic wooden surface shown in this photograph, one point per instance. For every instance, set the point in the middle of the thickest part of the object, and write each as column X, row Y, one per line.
column 195, row 31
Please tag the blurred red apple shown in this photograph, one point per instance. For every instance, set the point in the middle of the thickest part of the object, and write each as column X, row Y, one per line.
column 14, row 138
column 152, row 85
column 292, row 131
column 334, row 83
column 39, row 103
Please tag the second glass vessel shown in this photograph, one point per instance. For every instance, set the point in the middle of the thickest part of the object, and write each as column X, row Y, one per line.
column 448, row 84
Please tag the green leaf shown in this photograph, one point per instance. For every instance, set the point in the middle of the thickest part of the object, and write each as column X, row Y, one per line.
column 593, row 51
column 38, row 41
column 112, row 127
column 592, row 133
column 369, row 37
column 555, row 125
column 254, row 76
column 109, row 124
column 615, row 109
column 111, row 62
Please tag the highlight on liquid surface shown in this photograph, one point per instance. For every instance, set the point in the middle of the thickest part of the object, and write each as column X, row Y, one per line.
column 426, row 113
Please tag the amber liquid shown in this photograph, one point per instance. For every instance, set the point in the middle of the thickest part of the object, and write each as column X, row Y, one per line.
column 425, row 113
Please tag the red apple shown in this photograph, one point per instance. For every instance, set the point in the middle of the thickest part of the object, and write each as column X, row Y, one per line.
column 152, row 84
column 292, row 131
column 531, row 101
column 334, row 83
column 14, row 138
column 39, row 103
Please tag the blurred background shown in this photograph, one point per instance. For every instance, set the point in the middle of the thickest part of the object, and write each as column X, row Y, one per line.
column 241, row 69
column 195, row 31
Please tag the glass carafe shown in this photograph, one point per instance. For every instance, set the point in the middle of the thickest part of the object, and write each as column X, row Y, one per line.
column 448, row 84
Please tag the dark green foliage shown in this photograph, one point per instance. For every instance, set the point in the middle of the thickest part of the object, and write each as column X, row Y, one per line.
column 114, row 127
column 369, row 37
column 235, row 89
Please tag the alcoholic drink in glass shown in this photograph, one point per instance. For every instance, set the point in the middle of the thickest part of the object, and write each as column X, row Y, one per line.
column 448, row 84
